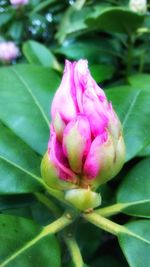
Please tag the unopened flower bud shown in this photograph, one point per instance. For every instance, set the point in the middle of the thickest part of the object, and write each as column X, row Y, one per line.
column 86, row 147
column 8, row 51
column 139, row 6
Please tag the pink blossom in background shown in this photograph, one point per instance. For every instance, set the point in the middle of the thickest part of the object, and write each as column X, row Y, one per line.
column 86, row 145
column 19, row 2
column 8, row 51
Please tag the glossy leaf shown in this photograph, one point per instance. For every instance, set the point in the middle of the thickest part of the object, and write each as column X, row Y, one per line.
column 136, row 249
column 37, row 53
column 25, row 95
column 19, row 165
column 95, row 52
column 141, row 81
column 135, row 190
column 115, row 19
column 23, row 244
column 132, row 107
column 101, row 73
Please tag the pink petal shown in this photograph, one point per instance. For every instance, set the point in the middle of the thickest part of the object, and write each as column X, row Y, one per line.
column 63, row 101
column 60, row 161
column 76, row 142
column 93, row 162
column 95, row 111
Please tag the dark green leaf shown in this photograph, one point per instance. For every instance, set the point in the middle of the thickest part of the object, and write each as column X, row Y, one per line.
column 137, row 182
column 115, row 19
column 95, row 51
column 15, row 201
column 23, row 244
column 101, row 73
column 6, row 16
column 132, row 107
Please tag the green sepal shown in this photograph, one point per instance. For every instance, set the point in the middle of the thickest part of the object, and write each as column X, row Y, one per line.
column 83, row 199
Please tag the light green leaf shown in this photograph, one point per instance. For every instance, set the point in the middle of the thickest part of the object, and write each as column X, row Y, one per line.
column 25, row 95
column 134, row 192
column 37, row 53
column 136, row 250
column 141, row 81
column 24, row 243
column 132, row 107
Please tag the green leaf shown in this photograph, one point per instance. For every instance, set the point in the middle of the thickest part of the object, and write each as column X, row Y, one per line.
column 94, row 237
column 115, row 19
column 145, row 152
column 19, row 165
column 95, row 51
column 37, row 53
column 132, row 107
column 25, row 95
column 72, row 22
column 136, row 250
column 16, row 30
column 23, row 243
column 141, row 81
column 6, row 16
column 137, row 182
column 101, row 73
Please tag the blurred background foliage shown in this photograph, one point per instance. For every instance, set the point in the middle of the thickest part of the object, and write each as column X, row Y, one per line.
column 114, row 39
column 116, row 42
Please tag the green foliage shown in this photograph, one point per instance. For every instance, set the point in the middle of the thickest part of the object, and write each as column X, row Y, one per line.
column 115, row 41
column 22, row 244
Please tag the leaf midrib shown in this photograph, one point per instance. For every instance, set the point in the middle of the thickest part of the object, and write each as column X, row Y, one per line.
column 130, row 108
column 31, row 94
column 22, row 169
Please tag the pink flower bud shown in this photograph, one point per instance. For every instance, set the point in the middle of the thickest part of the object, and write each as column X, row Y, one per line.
column 86, row 146
column 19, row 2
column 8, row 51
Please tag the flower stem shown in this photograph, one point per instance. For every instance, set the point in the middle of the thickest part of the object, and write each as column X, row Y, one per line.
column 105, row 224
column 67, row 218
column 111, row 210
column 74, row 251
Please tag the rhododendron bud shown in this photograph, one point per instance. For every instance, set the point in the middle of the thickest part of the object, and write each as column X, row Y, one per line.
column 19, row 2
column 138, row 6
column 8, row 51
column 86, row 147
